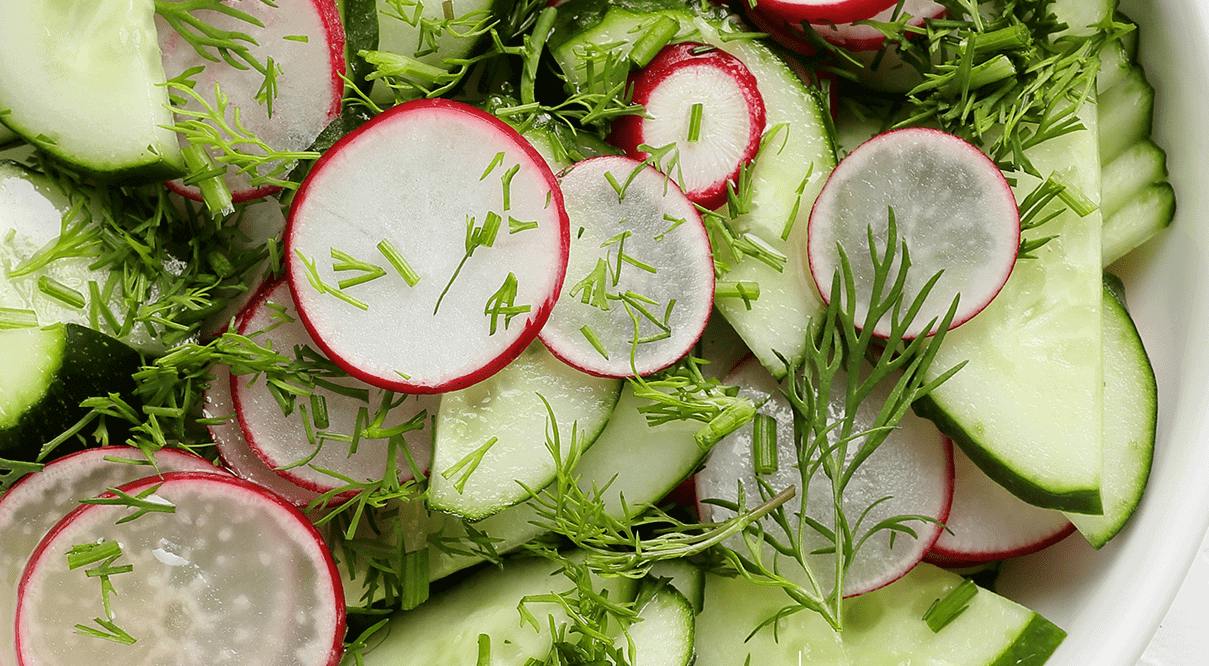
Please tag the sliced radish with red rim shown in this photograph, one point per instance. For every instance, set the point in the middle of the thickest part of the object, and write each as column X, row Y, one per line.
column 305, row 41
column 640, row 280
column 913, row 467
column 953, row 209
column 862, row 37
column 453, row 198
column 231, row 576
column 36, row 502
column 281, row 440
column 819, row 11
column 704, row 102
column 989, row 523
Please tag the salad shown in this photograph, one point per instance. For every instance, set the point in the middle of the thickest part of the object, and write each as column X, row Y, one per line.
column 385, row 291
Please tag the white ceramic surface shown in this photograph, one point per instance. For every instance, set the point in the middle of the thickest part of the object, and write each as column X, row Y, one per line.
column 1112, row 601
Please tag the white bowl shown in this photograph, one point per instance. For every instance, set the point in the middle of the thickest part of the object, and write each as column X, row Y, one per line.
column 1111, row 602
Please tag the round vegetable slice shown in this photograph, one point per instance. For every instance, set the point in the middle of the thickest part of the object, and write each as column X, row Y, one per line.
column 465, row 223
column 953, row 210
column 910, row 474
column 641, row 274
column 825, row 11
column 705, row 104
column 231, row 575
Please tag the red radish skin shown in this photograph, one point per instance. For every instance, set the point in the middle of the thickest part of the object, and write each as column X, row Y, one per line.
column 310, row 89
column 37, row 501
column 731, row 125
column 824, row 11
column 914, row 467
column 401, row 345
column 181, row 589
column 954, row 209
column 781, row 31
column 851, row 36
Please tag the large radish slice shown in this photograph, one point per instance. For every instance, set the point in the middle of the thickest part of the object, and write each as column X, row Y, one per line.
column 989, row 523
column 913, row 467
column 233, row 448
column 232, row 575
column 851, row 36
column 281, row 440
column 704, row 102
column 459, row 202
column 303, row 39
column 641, row 274
column 35, row 503
column 953, row 208
column 824, row 11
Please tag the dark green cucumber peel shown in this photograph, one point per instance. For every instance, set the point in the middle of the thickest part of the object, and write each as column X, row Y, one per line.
column 90, row 364
column 1034, row 646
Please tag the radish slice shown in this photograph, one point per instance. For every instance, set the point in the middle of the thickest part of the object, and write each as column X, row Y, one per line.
column 257, row 223
column 639, row 259
column 989, row 523
column 232, row 575
column 280, row 441
column 913, row 467
column 861, row 37
column 954, row 210
column 233, row 447
column 704, row 101
column 781, row 31
column 824, row 11
column 309, row 87
column 436, row 169
column 35, row 503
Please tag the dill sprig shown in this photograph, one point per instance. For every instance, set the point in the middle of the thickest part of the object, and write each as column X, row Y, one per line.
column 212, row 43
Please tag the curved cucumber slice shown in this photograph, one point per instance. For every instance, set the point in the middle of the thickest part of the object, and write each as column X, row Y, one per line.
column 664, row 634
column 1130, row 418
column 882, row 627
column 7, row 136
column 84, row 81
column 491, row 438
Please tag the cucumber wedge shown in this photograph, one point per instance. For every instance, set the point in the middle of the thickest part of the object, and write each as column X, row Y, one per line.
column 1130, row 418
column 664, row 633
column 882, row 627
column 489, row 444
column 84, row 81
column 1027, row 408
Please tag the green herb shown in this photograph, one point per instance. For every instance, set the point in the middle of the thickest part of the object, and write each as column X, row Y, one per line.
column 470, row 462
column 155, row 504
column 590, row 336
column 476, row 237
column 946, row 609
column 409, row 275
column 345, row 262
column 11, row 318
column 694, row 122
column 108, row 631
column 592, row 289
column 654, row 37
column 764, row 444
column 484, row 650
column 744, row 289
column 517, row 226
column 503, row 304
column 317, row 283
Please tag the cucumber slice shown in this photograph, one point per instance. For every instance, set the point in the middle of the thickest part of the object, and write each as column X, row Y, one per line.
column 101, row 60
column 1027, row 408
column 881, row 627
column 663, row 636
column 1127, row 114
column 1130, row 418
column 1151, row 211
column 489, row 443
column 1141, row 165
column 686, row 577
column 788, row 173
column 7, row 136
column 46, row 373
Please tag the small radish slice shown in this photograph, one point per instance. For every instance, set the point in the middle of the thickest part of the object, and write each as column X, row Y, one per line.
column 824, row 11
column 35, row 503
column 640, row 277
column 989, row 523
column 781, row 31
column 704, row 101
column 280, row 441
column 861, row 37
column 913, row 467
column 233, row 575
column 954, row 210
column 309, row 87
column 441, row 175
column 233, row 447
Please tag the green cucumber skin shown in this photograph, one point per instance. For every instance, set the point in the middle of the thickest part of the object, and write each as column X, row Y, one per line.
column 93, row 364
column 1034, row 646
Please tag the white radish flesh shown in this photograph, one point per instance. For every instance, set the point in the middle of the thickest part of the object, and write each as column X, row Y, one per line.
column 953, row 208
column 706, row 103
column 35, row 503
column 640, row 282
column 435, row 167
column 862, row 37
column 280, row 441
column 913, row 467
column 819, row 11
column 305, row 40
column 232, row 575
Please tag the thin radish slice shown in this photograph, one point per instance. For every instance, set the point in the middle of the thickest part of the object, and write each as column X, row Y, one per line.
column 953, row 208
column 35, row 503
column 824, row 11
column 781, row 31
column 642, row 269
column 462, row 200
column 989, row 523
column 233, row 447
column 862, row 37
column 232, row 575
column 305, row 40
column 913, row 467
column 704, row 102
column 281, row 440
